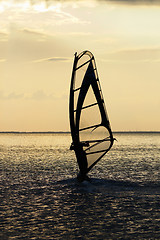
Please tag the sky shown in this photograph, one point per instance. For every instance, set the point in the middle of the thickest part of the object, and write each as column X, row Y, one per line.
column 38, row 40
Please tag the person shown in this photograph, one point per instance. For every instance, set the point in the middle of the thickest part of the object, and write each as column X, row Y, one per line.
column 81, row 159
column 82, row 162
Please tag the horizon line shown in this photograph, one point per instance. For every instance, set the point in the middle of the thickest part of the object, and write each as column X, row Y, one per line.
column 61, row 132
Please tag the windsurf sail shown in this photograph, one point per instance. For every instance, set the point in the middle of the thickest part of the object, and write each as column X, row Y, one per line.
column 90, row 128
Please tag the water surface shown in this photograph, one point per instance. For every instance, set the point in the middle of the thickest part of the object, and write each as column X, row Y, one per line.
column 41, row 198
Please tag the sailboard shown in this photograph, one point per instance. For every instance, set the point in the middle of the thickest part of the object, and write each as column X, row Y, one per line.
column 90, row 128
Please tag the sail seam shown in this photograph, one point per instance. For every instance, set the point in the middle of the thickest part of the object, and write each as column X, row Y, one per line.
column 98, row 141
column 88, row 106
column 77, row 89
column 84, row 63
column 97, row 125
column 96, row 152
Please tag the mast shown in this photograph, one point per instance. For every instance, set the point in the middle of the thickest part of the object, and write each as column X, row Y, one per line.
column 71, row 100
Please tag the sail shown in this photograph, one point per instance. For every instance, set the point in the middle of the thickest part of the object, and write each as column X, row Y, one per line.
column 90, row 128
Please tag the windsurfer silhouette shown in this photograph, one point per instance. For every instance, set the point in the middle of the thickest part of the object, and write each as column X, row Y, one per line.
column 82, row 161
column 85, row 96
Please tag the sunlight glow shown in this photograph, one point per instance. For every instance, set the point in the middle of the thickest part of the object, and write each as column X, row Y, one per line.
column 38, row 40
column 5, row 5
column 25, row 6
column 42, row 7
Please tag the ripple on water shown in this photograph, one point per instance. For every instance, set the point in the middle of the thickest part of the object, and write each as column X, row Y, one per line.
column 41, row 199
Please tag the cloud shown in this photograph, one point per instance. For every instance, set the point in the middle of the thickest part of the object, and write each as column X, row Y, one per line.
column 49, row 2
column 32, row 32
column 54, row 59
column 52, row 5
column 11, row 95
column 133, row 2
column 90, row 3
column 59, row 59
column 134, row 55
column 39, row 14
column 40, row 95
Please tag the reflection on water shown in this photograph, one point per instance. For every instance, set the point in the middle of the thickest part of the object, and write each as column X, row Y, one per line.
column 41, row 199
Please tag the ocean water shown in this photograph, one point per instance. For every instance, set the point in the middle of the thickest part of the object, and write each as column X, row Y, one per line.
column 40, row 197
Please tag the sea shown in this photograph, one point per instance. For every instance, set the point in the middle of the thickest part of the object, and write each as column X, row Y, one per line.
column 40, row 197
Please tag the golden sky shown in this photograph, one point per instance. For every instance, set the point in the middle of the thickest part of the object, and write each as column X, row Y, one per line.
column 38, row 40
